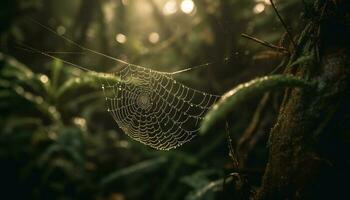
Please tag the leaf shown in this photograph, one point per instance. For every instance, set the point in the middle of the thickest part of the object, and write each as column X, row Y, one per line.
column 302, row 59
column 141, row 167
column 92, row 79
column 14, row 122
column 200, row 178
column 242, row 92
column 39, row 103
column 16, row 72
column 55, row 73
column 69, row 141
column 207, row 190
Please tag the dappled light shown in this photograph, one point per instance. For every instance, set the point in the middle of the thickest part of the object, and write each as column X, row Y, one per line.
column 174, row 99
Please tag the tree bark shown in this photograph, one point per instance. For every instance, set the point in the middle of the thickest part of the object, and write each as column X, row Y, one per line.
column 309, row 145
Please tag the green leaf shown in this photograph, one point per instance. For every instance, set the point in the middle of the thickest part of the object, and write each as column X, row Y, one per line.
column 242, row 92
column 142, row 167
column 92, row 79
column 39, row 103
column 207, row 190
column 200, row 178
column 55, row 73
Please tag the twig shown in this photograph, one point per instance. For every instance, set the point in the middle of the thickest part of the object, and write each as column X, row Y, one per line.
column 283, row 23
column 230, row 147
column 240, row 181
column 318, row 33
column 248, row 135
column 267, row 44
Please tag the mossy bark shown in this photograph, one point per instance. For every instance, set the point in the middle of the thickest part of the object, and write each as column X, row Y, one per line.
column 310, row 144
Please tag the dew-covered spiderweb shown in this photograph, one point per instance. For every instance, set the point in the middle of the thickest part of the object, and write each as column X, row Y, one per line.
column 153, row 108
column 150, row 106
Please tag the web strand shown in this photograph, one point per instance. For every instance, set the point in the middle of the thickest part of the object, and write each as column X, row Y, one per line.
column 116, row 59
column 33, row 50
column 154, row 109
column 148, row 105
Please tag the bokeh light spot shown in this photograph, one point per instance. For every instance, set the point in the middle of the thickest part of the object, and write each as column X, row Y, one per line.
column 170, row 7
column 125, row 2
column 44, row 79
column 61, row 30
column 187, row 6
column 153, row 37
column 259, row 8
column 267, row 2
column 120, row 38
column 79, row 121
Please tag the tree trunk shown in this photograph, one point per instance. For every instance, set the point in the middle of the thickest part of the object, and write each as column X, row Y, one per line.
column 310, row 144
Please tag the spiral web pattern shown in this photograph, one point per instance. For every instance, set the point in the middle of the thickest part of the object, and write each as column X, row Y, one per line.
column 154, row 109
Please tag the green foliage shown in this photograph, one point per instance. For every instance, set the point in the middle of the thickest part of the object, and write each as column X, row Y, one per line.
column 137, row 169
column 59, row 142
column 203, row 187
column 231, row 99
column 56, row 139
column 57, row 146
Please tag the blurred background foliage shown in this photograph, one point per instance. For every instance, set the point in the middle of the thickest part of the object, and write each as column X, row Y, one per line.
column 58, row 142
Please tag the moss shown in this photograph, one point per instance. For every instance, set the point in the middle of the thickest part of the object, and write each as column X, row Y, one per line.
column 305, row 157
column 242, row 92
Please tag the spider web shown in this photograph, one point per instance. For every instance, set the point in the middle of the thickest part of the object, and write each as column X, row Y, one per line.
column 149, row 106
column 153, row 108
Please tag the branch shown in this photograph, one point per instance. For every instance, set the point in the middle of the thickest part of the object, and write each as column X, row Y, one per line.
column 230, row 100
column 267, row 44
column 232, row 153
column 283, row 23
